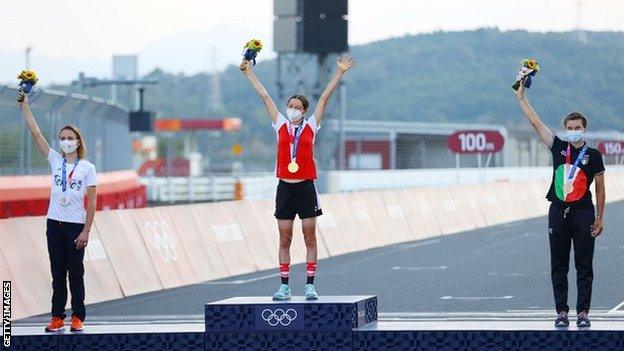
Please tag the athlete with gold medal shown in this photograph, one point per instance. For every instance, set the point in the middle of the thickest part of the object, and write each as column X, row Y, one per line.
column 296, row 170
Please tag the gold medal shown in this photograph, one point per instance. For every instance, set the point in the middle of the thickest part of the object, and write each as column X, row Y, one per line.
column 293, row 167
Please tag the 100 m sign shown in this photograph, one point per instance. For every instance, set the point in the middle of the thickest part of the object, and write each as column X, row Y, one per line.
column 475, row 141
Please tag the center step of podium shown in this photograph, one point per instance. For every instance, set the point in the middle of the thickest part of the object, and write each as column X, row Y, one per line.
column 328, row 313
column 259, row 323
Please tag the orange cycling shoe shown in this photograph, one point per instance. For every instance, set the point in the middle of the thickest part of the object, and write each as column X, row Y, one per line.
column 55, row 325
column 76, row 324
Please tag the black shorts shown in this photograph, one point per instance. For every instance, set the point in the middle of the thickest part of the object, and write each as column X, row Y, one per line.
column 297, row 199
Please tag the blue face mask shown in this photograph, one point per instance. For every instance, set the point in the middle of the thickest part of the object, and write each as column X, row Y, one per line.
column 574, row 135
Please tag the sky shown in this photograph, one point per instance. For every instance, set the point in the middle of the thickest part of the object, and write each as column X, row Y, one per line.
column 191, row 36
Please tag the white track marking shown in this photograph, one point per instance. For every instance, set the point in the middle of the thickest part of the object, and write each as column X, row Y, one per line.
column 242, row 281
column 425, row 268
column 615, row 310
column 418, row 244
column 472, row 298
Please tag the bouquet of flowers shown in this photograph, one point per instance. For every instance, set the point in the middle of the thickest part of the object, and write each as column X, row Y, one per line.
column 251, row 50
column 529, row 69
column 28, row 81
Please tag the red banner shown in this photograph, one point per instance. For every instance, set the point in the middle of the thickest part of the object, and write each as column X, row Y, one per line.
column 609, row 148
column 176, row 124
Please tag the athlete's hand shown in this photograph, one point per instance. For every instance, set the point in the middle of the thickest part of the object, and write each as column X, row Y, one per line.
column 244, row 66
column 345, row 63
column 597, row 228
column 82, row 240
column 24, row 103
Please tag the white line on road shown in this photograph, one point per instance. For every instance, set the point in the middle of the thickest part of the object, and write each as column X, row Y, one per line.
column 467, row 315
column 242, row 281
column 615, row 310
column 426, row 268
column 507, row 297
column 418, row 244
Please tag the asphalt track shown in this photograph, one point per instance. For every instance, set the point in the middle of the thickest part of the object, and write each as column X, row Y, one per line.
column 495, row 272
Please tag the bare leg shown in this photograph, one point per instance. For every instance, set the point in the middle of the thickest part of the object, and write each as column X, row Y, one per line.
column 285, row 227
column 309, row 236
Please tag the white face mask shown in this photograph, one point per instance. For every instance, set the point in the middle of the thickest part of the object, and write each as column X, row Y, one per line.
column 68, row 146
column 574, row 135
column 293, row 114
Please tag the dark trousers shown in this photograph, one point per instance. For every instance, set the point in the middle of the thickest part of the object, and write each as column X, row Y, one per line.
column 64, row 259
column 566, row 227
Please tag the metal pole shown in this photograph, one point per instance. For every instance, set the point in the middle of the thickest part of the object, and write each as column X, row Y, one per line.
column 27, row 52
column 169, row 154
column 479, row 166
column 359, row 153
column 487, row 164
column 280, row 83
column 393, row 150
column 457, row 168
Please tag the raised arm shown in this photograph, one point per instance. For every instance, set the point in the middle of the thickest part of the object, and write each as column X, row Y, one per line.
column 344, row 64
column 266, row 98
column 542, row 130
column 42, row 144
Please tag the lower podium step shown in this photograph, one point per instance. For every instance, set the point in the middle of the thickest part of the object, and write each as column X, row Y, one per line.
column 258, row 323
column 130, row 337
column 501, row 335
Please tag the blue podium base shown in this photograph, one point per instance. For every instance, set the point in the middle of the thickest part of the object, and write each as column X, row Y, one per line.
column 331, row 323
column 174, row 337
column 507, row 335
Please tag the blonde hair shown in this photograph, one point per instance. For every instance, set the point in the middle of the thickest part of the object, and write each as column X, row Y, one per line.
column 82, row 148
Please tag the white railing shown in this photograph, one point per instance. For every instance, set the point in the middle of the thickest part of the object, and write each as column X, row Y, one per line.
column 261, row 186
column 212, row 188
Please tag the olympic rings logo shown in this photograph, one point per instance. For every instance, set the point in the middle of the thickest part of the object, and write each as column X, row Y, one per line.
column 279, row 316
column 163, row 240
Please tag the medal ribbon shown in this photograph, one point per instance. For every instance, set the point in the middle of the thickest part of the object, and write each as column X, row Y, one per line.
column 298, row 132
column 64, row 173
column 576, row 162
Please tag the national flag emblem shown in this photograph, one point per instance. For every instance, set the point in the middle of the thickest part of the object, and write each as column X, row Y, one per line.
column 567, row 189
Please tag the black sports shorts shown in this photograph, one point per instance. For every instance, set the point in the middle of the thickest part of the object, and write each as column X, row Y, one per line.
column 297, row 199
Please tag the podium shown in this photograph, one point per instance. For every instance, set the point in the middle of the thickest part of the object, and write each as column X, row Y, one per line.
column 330, row 323
column 258, row 323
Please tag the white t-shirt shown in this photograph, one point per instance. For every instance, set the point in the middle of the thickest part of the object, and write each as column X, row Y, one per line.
column 83, row 177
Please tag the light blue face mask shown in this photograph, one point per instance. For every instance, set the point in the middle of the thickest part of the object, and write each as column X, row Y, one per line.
column 574, row 135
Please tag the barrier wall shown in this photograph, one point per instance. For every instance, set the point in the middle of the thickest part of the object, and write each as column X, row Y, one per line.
column 164, row 246
column 24, row 246
column 29, row 195
column 230, row 238
column 136, row 251
column 200, row 246
column 19, row 309
column 419, row 213
column 100, row 280
column 338, row 227
column 264, row 252
column 131, row 262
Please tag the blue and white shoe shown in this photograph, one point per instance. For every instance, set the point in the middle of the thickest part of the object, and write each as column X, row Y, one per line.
column 310, row 292
column 562, row 320
column 283, row 293
column 583, row 321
